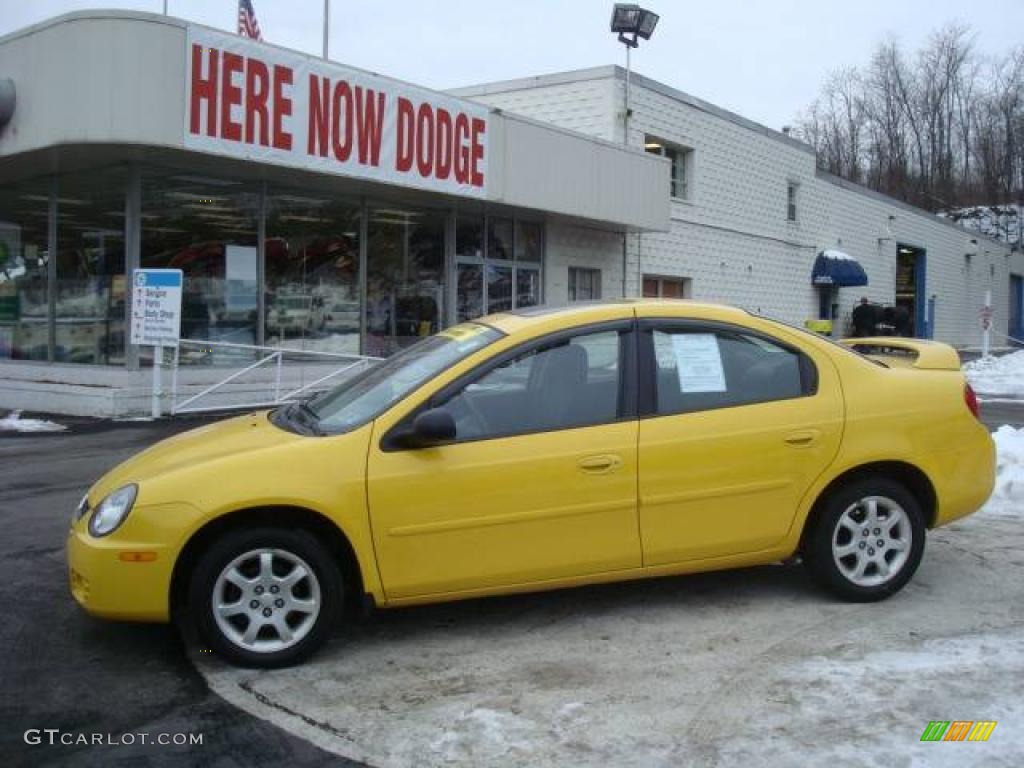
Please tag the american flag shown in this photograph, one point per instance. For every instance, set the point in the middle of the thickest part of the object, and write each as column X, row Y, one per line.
column 247, row 24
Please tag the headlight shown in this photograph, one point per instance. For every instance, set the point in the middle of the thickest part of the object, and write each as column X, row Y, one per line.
column 112, row 511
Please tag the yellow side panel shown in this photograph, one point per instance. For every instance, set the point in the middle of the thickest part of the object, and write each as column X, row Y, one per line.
column 505, row 511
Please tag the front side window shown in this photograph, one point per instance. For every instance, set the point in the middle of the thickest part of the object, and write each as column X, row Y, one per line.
column 572, row 383
column 791, row 190
column 369, row 394
column 701, row 369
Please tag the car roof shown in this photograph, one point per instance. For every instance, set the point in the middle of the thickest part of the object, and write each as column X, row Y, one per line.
column 542, row 318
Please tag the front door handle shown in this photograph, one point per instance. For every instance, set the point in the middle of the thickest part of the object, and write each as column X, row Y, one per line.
column 805, row 438
column 600, row 464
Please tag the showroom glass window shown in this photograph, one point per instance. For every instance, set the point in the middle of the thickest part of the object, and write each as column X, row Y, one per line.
column 469, row 268
column 207, row 227
column 404, row 277
column 91, row 283
column 24, row 304
column 504, row 275
column 311, row 299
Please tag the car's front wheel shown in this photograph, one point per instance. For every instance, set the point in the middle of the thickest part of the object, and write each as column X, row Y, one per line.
column 265, row 597
column 867, row 540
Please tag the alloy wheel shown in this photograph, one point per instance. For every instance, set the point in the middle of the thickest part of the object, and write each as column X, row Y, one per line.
column 266, row 600
column 872, row 541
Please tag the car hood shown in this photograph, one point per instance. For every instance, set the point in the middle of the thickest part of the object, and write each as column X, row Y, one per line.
column 230, row 438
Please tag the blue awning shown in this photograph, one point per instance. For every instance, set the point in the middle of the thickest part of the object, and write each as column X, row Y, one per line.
column 838, row 269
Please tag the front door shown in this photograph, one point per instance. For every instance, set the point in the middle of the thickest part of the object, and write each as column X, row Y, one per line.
column 539, row 483
column 738, row 426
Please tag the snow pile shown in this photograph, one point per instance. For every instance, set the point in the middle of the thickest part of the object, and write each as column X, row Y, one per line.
column 13, row 422
column 1008, row 497
column 1002, row 375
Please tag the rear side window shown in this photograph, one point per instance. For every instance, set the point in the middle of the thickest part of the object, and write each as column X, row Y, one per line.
column 700, row 369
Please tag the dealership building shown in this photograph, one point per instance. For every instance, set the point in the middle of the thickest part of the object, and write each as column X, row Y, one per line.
column 315, row 206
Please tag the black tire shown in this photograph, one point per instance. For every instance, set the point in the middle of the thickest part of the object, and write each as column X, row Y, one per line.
column 837, row 571
column 241, row 549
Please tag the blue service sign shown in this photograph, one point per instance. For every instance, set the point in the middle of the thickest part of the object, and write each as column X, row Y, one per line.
column 156, row 307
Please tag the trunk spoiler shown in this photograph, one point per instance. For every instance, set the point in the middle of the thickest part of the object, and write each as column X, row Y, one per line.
column 909, row 353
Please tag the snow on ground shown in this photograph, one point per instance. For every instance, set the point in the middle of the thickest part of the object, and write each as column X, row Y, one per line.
column 1003, row 375
column 1008, row 496
column 735, row 668
column 13, row 422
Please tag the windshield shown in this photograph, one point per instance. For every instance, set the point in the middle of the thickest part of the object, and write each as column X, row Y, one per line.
column 369, row 394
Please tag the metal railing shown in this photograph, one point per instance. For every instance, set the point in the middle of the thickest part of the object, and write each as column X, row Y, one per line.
column 278, row 390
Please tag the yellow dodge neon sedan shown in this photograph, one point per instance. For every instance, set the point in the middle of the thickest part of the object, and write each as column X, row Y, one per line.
column 536, row 450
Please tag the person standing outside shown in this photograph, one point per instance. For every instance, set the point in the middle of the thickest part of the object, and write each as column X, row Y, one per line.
column 864, row 318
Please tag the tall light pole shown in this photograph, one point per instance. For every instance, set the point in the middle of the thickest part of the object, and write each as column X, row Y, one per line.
column 327, row 23
column 631, row 22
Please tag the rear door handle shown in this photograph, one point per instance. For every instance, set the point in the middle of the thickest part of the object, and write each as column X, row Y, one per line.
column 802, row 439
column 600, row 464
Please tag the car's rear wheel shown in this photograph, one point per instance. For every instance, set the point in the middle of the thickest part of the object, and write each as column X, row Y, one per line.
column 867, row 540
column 265, row 597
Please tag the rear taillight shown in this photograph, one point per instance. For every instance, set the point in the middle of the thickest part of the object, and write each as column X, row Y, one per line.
column 972, row 401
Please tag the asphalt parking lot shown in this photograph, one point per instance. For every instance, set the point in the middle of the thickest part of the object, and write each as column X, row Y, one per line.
column 62, row 669
column 721, row 668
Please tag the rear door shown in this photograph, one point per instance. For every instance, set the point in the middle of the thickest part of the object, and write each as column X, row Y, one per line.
column 735, row 426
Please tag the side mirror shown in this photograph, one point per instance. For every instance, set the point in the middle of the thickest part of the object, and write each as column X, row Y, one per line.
column 431, row 427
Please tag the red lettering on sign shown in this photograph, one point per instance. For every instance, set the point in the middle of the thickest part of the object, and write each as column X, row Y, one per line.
column 370, row 124
column 461, row 150
column 476, row 178
column 204, row 89
column 282, row 106
column 257, row 88
column 316, row 140
column 406, row 132
column 425, row 140
column 342, row 99
column 231, row 96
column 443, row 155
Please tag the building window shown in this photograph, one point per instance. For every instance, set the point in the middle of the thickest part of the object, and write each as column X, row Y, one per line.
column 24, row 270
column 584, row 284
column 91, row 285
column 405, row 277
column 207, row 228
column 682, row 165
column 311, row 296
column 666, row 287
column 503, row 276
column 791, row 190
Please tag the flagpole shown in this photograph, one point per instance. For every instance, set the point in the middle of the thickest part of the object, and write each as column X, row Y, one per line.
column 327, row 23
column 165, row 7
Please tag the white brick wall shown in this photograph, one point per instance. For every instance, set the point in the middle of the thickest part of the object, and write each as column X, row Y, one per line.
column 570, row 245
column 732, row 237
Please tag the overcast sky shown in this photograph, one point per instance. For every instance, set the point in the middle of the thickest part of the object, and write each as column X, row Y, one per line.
column 762, row 58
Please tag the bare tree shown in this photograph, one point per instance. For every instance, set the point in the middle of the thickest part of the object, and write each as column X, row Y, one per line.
column 943, row 129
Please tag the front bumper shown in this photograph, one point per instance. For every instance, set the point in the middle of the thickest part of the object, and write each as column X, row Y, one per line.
column 110, row 587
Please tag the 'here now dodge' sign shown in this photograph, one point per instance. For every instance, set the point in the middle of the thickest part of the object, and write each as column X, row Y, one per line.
column 254, row 101
column 156, row 307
